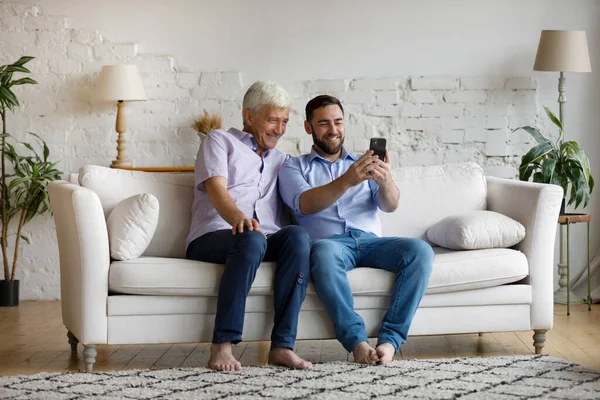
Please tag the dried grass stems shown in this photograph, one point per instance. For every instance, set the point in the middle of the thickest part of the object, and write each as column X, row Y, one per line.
column 206, row 123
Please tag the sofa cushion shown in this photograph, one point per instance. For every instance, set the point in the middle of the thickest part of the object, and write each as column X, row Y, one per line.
column 174, row 191
column 452, row 271
column 131, row 226
column 476, row 230
column 430, row 194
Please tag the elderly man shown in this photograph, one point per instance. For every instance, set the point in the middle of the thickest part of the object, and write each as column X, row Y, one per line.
column 236, row 222
column 336, row 195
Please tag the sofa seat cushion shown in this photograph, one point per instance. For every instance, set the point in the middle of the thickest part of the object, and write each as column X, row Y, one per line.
column 452, row 271
column 177, row 277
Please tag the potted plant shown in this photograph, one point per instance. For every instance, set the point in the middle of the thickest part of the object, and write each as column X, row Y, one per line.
column 23, row 183
column 560, row 163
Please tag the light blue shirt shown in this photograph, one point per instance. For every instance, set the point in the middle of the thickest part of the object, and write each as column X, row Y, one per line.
column 356, row 209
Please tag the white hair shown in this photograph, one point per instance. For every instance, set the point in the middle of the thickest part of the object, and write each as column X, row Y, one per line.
column 265, row 94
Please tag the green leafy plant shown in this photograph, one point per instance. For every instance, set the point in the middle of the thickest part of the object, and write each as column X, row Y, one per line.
column 23, row 187
column 560, row 163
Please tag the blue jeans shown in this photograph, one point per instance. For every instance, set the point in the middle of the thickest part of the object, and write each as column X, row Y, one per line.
column 242, row 255
column 409, row 259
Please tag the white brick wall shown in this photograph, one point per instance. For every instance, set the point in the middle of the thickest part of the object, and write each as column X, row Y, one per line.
column 423, row 83
column 487, row 83
column 427, row 119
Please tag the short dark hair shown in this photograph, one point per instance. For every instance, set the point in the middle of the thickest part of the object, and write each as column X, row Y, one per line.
column 323, row 100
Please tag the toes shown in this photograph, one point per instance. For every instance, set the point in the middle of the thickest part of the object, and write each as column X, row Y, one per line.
column 374, row 356
column 227, row 367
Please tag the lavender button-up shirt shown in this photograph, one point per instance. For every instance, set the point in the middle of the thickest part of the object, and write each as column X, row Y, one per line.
column 251, row 181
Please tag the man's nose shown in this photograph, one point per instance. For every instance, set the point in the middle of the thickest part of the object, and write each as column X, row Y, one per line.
column 280, row 128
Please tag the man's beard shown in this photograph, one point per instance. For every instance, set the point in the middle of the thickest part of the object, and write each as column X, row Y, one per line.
column 326, row 147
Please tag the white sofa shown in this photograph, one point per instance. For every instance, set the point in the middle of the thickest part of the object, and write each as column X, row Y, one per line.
column 163, row 298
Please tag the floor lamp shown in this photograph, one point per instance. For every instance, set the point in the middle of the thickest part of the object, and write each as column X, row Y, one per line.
column 120, row 83
column 562, row 51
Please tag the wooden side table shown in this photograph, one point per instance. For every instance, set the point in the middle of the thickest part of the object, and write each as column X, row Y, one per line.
column 563, row 294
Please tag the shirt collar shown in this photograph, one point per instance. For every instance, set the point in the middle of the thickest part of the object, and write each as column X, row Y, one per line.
column 345, row 154
column 247, row 139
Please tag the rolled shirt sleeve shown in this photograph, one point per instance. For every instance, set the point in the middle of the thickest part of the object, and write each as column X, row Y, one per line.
column 212, row 159
column 374, row 192
column 292, row 184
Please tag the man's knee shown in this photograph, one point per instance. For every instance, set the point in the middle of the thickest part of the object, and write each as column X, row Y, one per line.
column 296, row 249
column 323, row 257
column 322, row 248
column 253, row 241
column 298, row 236
column 422, row 255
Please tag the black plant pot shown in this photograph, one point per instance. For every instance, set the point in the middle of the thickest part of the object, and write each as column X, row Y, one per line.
column 562, row 207
column 9, row 293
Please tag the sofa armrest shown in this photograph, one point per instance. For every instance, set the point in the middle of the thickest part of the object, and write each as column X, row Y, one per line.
column 84, row 260
column 536, row 206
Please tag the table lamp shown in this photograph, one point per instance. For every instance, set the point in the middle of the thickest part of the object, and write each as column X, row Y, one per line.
column 120, row 83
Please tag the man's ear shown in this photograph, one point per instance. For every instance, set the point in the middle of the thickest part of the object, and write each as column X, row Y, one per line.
column 307, row 127
column 247, row 115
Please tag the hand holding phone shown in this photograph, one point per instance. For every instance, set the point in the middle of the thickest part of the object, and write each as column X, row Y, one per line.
column 377, row 145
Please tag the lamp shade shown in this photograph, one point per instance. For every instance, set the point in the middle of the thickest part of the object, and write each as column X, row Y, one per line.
column 120, row 82
column 563, row 51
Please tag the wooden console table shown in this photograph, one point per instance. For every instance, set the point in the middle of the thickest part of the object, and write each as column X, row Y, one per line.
column 159, row 169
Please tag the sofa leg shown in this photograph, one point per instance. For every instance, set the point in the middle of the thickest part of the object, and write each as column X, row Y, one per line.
column 89, row 356
column 539, row 339
column 73, row 341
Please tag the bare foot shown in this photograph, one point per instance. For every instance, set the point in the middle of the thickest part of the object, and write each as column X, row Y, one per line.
column 287, row 358
column 386, row 352
column 365, row 354
column 221, row 358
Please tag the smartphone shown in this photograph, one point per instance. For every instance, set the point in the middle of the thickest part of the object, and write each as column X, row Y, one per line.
column 378, row 147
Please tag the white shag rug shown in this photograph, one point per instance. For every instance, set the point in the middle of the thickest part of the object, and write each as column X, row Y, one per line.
column 511, row 377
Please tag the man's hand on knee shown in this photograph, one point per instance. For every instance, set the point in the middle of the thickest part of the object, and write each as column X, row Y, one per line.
column 249, row 224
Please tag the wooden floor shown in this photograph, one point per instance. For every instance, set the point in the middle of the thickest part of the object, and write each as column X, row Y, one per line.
column 33, row 339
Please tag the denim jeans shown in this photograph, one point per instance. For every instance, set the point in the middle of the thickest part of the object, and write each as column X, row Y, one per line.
column 409, row 259
column 242, row 255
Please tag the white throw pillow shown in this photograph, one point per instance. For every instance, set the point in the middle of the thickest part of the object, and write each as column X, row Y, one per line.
column 476, row 230
column 131, row 226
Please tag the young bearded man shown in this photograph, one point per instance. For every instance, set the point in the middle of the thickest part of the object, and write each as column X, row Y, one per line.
column 335, row 195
